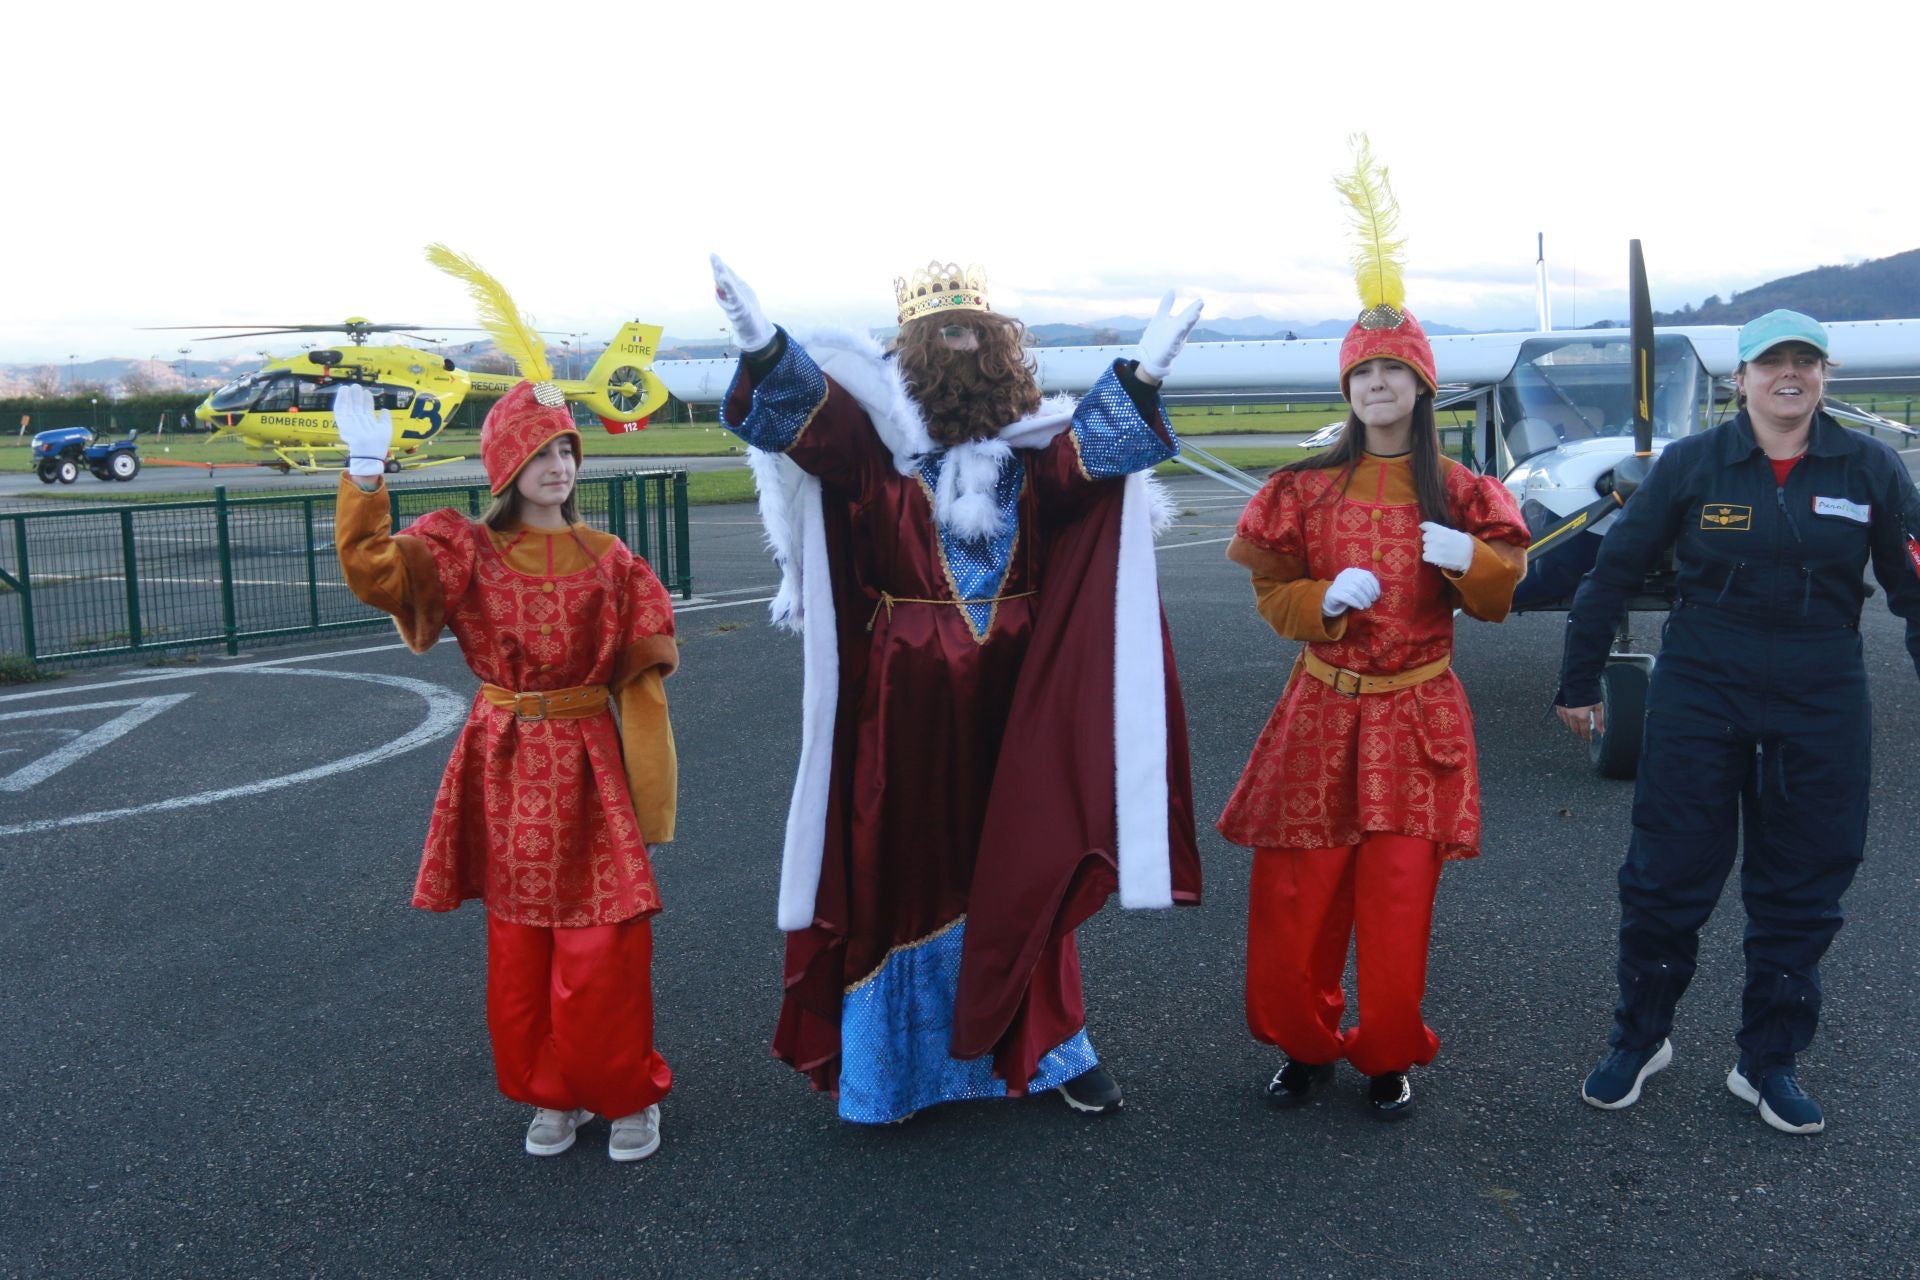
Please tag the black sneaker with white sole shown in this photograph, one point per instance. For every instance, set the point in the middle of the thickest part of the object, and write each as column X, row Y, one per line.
column 1296, row 1082
column 1094, row 1092
column 1390, row 1096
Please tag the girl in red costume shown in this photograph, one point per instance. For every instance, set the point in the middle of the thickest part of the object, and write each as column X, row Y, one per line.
column 1363, row 781
column 565, row 772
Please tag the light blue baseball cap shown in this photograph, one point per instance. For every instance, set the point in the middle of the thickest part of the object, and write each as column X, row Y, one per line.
column 1763, row 333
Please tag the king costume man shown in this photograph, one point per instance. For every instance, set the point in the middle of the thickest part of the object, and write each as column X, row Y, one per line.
column 992, row 734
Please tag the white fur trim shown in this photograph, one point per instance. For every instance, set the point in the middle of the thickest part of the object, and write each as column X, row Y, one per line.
column 819, row 693
column 1140, row 711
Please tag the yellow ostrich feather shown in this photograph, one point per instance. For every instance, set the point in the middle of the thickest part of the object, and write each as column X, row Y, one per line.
column 515, row 337
column 1378, row 246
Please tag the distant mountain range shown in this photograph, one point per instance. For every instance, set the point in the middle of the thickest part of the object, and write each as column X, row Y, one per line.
column 1879, row 289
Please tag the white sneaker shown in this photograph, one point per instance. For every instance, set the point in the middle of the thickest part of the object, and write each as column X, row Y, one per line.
column 553, row 1131
column 635, row 1137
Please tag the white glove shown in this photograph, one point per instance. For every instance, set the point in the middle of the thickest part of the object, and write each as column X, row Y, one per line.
column 751, row 328
column 1448, row 548
column 366, row 436
column 1350, row 589
column 1165, row 336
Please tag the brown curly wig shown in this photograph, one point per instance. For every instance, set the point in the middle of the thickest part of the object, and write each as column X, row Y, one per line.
column 968, row 395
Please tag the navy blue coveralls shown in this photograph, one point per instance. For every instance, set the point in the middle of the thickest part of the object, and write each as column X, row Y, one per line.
column 1757, row 712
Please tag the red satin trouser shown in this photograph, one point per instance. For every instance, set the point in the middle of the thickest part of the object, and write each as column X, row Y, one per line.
column 1305, row 904
column 571, row 1014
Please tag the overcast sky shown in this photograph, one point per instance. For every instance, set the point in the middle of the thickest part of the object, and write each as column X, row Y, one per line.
column 251, row 163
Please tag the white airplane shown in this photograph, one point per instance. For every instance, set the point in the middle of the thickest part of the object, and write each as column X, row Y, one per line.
column 1554, row 416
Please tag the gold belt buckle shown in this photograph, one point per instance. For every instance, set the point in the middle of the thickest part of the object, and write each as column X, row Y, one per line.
column 519, row 707
column 1341, row 673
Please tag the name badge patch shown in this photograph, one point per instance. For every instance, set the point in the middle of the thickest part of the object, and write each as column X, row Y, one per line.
column 1725, row 515
column 1858, row 512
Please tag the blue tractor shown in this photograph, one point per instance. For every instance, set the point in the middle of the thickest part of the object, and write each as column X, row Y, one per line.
column 60, row 453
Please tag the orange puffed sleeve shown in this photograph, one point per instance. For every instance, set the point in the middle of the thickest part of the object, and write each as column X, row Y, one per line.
column 640, row 699
column 1268, row 543
column 1490, row 515
column 411, row 576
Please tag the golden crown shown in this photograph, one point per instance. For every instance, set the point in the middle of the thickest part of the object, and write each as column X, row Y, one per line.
column 936, row 288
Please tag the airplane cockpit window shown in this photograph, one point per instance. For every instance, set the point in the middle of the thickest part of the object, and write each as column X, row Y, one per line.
column 1565, row 390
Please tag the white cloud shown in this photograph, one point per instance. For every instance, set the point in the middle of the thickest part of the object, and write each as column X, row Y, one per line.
column 248, row 163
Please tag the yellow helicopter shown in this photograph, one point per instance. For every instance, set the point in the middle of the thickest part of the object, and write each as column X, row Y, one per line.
column 286, row 407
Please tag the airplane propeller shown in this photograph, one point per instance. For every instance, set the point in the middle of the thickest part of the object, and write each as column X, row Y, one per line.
column 1630, row 472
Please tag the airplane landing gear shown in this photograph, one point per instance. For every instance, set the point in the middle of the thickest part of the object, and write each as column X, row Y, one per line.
column 1623, row 694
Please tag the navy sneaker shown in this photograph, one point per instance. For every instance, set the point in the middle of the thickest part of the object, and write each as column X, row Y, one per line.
column 1297, row 1081
column 1783, row 1103
column 1616, row 1082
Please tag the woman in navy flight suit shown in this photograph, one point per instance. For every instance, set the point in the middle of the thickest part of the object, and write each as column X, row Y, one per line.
column 1757, row 713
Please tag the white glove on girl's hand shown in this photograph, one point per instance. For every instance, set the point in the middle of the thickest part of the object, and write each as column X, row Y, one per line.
column 751, row 328
column 366, row 436
column 1448, row 548
column 1164, row 337
column 1350, row 589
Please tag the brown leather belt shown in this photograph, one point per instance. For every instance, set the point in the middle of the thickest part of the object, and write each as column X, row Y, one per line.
column 577, row 703
column 1351, row 684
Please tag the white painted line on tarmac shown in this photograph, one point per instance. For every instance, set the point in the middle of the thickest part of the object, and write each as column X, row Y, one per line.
column 85, row 744
column 1198, row 542
column 199, row 671
column 446, row 711
column 721, row 604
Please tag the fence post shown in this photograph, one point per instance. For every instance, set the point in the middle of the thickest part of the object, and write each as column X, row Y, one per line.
column 128, row 558
column 26, row 587
column 617, row 507
column 313, row 563
column 639, row 544
column 682, row 553
column 227, row 614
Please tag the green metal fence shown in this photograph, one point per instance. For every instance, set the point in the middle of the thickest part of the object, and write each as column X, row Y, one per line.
column 131, row 580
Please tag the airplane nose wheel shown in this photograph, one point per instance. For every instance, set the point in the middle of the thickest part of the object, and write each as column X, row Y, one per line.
column 1623, row 693
column 393, row 466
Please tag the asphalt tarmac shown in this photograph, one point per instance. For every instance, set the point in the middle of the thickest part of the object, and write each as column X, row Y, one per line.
column 229, row 1047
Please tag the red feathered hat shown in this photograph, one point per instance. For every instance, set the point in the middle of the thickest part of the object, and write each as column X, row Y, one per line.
column 1385, row 332
column 518, row 426
column 1385, row 327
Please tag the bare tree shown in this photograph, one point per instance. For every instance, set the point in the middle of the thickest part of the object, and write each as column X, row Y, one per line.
column 140, row 380
column 44, row 382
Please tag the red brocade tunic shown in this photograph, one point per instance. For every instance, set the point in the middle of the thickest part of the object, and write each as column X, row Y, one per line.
column 1329, row 768
column 546, row 820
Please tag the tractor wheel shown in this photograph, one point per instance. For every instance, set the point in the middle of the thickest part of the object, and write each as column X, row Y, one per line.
column 125, row 466
column 48, row 471
column 67, row 470
column 1623, row 692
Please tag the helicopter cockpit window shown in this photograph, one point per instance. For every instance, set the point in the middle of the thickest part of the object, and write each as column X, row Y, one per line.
column 235, row 396
column 276, row 395
column 391, row 397
column 1565, row 390
column 312, row 394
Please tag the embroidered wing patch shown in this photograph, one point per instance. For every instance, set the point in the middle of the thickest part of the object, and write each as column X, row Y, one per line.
column 1726, row 516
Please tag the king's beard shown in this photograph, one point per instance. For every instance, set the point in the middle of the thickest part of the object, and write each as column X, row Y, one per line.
column 959, row 400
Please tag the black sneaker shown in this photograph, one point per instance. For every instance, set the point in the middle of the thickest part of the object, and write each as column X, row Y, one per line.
column 1296, row 1081
column 1390, row 1097
column 1616, row 1082
column 1094, row 1092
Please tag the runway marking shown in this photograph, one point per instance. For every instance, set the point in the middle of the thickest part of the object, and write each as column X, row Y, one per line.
column 84, row 744
column 446, row 711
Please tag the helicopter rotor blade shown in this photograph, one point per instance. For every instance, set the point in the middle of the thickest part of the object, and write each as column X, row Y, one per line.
column 271, row 328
